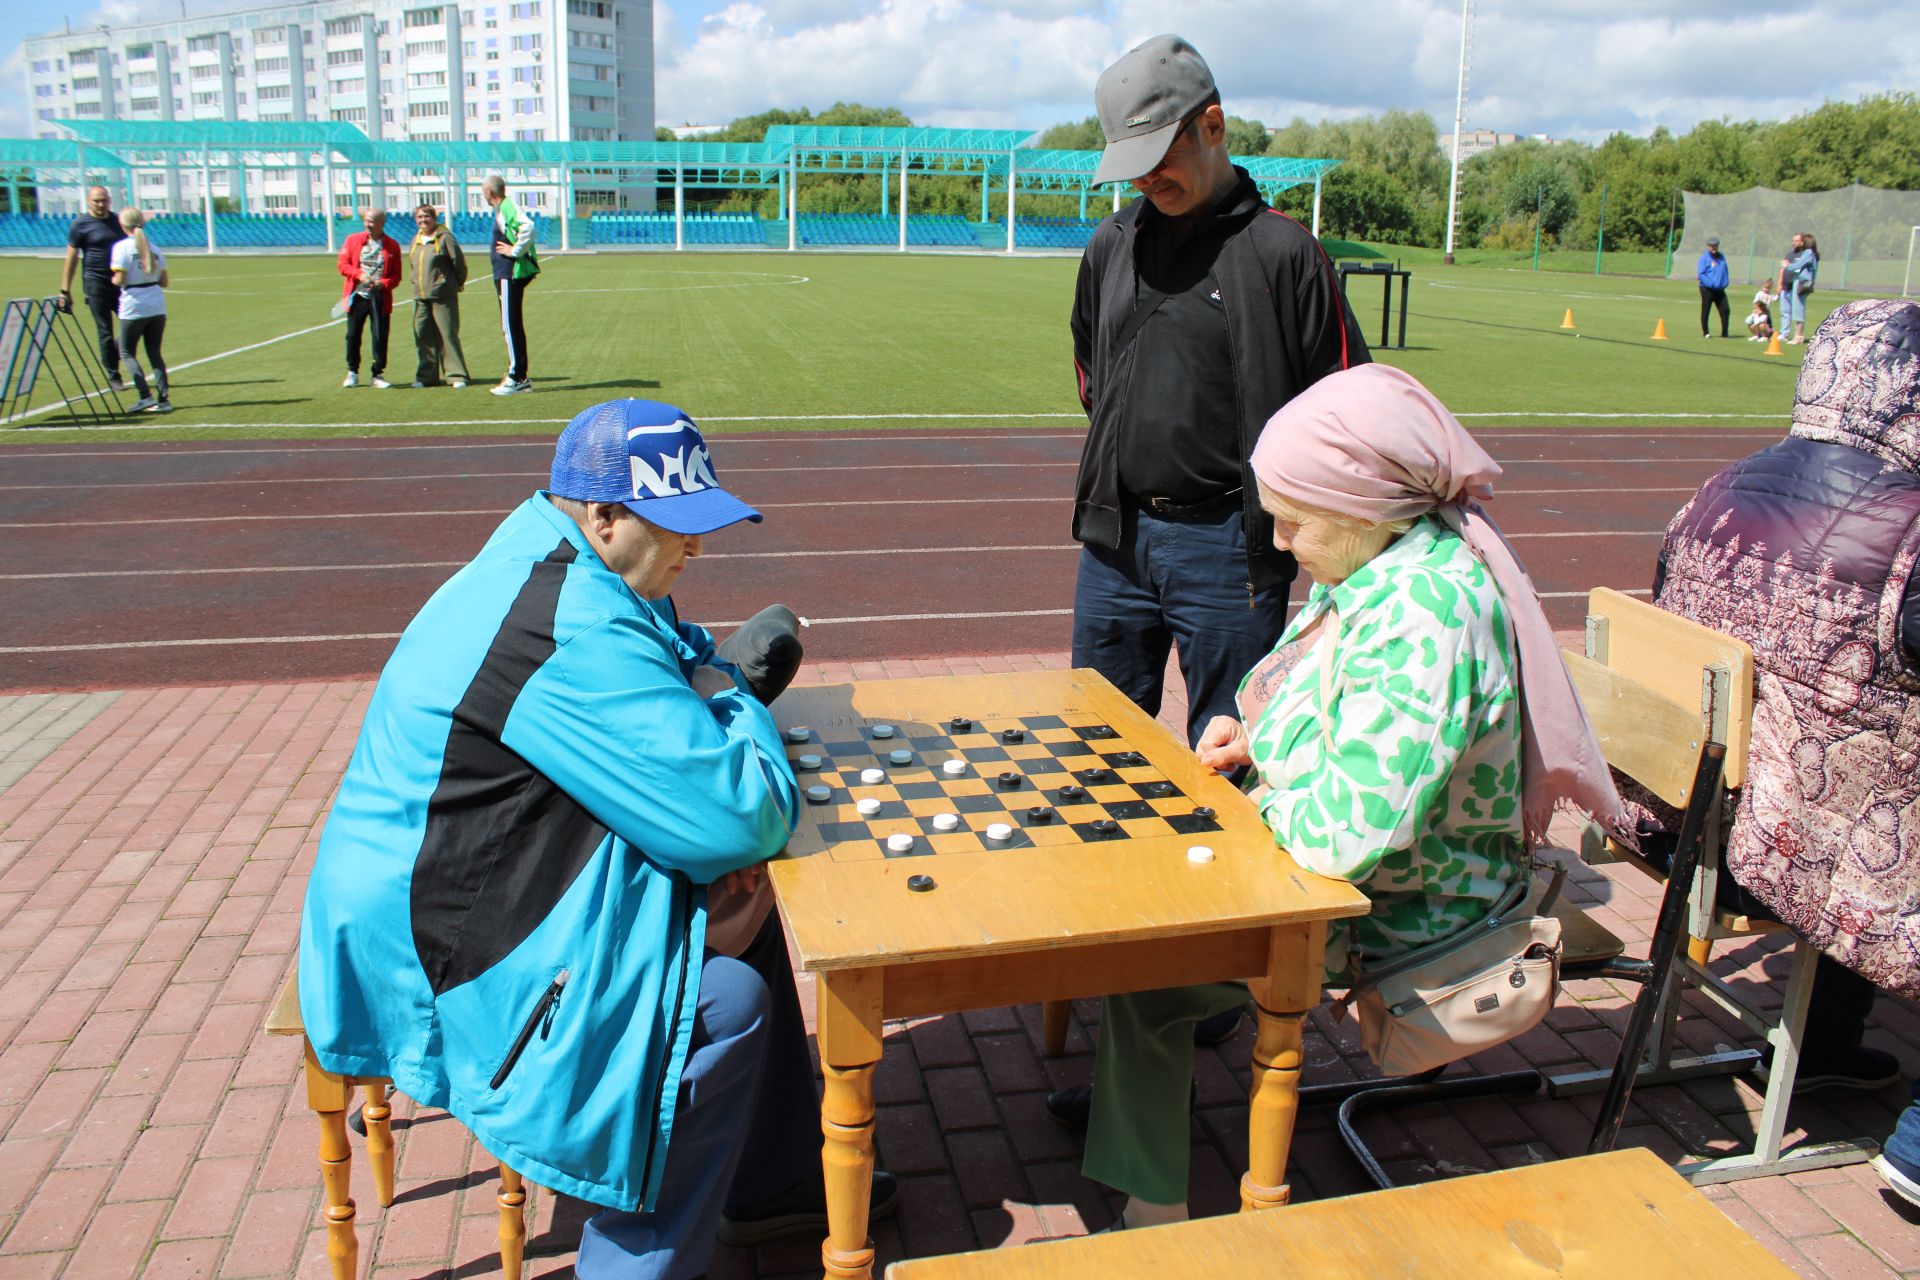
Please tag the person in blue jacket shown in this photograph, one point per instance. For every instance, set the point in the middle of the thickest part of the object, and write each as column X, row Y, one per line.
column 508, row 914
column 1712, row 273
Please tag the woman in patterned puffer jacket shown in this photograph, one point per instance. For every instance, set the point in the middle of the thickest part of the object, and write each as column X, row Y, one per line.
column 1412, row 733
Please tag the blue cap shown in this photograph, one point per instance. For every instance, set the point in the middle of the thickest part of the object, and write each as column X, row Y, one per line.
column 649, row 457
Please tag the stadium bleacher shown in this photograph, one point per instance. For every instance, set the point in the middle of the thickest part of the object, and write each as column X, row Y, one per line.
column 924, row 229
column 657, row 229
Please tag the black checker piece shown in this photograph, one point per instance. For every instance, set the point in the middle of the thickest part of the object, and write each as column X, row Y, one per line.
column 1156, row 790
column 1097, row 777
column 1096, row 731
column 1128, row 759
column 1192, row 824
column 1099, row 829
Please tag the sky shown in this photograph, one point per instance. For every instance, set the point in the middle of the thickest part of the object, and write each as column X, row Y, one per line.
column 1577, row 69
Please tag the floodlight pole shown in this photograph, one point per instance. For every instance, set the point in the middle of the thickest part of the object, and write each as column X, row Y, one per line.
column 679, row 207
column 793, row 200
column 326, row 202
column 1459, row 118
column 1012, row 184
column 206, row 191
column 903, row 199
column 1906, row 283
column 1316, row 206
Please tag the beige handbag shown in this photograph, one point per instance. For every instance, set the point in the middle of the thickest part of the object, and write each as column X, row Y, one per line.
column 1479, row 988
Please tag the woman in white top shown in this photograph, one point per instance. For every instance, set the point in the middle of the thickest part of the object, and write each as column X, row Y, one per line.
column 140, row 271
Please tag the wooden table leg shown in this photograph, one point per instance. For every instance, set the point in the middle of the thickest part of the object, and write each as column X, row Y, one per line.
column 1295, row 960
column 848, row 1025
column 1054, row 1025
column 513, row 1223
column 327, row 1095
column 377, row 1111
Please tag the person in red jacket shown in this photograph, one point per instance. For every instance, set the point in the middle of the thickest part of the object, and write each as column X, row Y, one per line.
column 370, row 262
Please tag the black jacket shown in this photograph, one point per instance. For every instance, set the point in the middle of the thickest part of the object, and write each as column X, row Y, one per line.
column 1288, row 325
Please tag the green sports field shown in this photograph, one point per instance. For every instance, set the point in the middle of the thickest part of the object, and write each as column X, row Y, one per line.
column 827, row 341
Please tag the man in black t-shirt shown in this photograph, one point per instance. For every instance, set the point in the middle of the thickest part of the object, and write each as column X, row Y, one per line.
column 90, row 242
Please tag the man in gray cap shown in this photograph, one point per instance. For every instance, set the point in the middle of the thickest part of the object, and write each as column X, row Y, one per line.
column 1712, row 273
column 1199, row 312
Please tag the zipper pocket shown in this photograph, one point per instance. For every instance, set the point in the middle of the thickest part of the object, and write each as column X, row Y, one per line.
column 541, row 1018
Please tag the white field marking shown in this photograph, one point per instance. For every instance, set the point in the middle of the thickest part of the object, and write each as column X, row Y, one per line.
column 1549, row 293
column 148, row 571
column 772, row 279
column 869, row 619
column 1665, row 417
column 557, row 422
column 175, row 368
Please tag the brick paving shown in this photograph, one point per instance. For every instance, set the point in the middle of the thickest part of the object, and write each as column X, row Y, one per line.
column 153, row 854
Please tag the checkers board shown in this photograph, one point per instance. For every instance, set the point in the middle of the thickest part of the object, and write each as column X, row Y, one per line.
column 1052, row 780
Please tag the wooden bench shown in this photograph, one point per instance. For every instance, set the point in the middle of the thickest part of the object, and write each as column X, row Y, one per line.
column 329, row 1094
column 1623, row 1214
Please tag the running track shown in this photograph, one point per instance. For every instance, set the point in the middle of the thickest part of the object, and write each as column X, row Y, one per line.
column 221, row 562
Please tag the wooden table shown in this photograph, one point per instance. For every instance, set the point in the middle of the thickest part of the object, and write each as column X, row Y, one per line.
column 1623, row 1214
column 1060, row 918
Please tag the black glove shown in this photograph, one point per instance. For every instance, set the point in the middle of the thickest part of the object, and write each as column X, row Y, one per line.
column 767, row 650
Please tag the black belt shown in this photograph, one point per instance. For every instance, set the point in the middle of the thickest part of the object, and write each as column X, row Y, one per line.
column 1187, row 509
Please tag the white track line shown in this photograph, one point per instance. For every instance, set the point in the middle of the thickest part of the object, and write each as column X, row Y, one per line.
column 866, row 619
column 175, row 368
column 150, row 572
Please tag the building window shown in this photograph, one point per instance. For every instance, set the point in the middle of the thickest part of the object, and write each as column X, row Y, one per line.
column 428, row 49
column 145, row 104
column 425, row 110
column 139, row 52
column 273, row 93
column 272, row 64
column 207, row 99
column 526, row 75
column 343, row 26
column 42, row 67
column 592, row 40
column 425, row 18
column 141, row 79
column 356, row 85
column 87, row 85
column 43, row 91
column 427, row 80
column 270, row 35
column 590, row 8
column 349, row 115
column 86, row 108
column 581, row 102
column 203, row 44
column 346, row 57
column 521, row 12
column 210, row 71
column 524, row 44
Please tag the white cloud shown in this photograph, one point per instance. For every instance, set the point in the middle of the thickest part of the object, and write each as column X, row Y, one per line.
column 1570, row 68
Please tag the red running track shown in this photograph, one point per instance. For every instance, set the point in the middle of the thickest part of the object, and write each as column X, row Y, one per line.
column 221, row 562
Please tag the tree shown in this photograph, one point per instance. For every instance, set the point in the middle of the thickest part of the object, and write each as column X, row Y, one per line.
column 1246, row 137
column 1083, row 135
column 1366, row 204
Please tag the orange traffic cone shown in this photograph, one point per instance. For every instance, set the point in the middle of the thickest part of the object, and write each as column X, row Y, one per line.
column 1660, row 330
column 1568, row 322
column 1773, row 345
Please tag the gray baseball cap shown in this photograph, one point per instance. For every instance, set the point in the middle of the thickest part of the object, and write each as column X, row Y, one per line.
column 1142, row 101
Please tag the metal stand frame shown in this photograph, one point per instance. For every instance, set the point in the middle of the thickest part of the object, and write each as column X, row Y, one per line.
column 47, row 331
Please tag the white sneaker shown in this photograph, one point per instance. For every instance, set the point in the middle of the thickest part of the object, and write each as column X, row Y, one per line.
column 417, row 385
column 510, row 388
column 457, row 383
column 351, row 380
column 381, row 382
column 143, row 404
column 1901, row 1185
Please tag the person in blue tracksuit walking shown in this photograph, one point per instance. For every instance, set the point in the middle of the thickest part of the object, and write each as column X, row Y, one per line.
column 1712, row 273
column 508, row 914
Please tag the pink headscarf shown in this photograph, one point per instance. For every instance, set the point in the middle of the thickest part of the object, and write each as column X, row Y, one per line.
column 1372, row 443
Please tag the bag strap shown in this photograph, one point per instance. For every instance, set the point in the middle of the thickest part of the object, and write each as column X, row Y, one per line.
column 1515, row 895
column 1143, row 310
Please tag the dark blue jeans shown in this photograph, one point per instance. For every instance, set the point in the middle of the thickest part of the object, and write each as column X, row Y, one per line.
column 747, row 1123
column 1175, row 582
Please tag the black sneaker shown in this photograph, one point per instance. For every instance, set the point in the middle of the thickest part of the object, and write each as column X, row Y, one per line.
column 1218, row 1029
column 1071, row 1107
column 800, row 1208
column 1850, row 1067
column 116, row 384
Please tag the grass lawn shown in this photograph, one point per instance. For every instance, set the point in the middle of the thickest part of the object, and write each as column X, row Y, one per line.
column 823, row 341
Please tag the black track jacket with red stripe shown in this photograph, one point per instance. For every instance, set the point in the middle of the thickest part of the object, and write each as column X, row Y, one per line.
column 1288, row 326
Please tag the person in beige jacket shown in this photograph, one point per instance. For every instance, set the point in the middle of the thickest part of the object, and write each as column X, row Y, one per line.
column 439, row 274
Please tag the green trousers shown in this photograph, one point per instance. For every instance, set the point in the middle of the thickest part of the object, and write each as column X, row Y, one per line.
column 1139, row 1133
column 436, row 337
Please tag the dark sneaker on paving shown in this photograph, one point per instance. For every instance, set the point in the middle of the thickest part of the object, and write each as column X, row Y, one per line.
column 1902, row 1178
column 1218, row 1029
column 1071, row 1106
column 1855, row 1067
column 802, row 1208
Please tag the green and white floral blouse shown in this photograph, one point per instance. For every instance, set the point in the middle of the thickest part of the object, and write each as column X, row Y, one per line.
column 1387, row 745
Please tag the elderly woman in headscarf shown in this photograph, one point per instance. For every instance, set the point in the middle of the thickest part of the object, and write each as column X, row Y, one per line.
column 1411, row 733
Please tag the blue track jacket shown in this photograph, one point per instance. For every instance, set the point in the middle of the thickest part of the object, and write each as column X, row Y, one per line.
column 1712, row 271
column 537, row 791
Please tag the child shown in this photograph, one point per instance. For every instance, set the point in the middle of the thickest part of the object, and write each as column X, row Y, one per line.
column 1760, row 319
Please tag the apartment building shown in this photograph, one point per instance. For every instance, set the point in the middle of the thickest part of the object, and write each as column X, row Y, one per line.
column 529, row 71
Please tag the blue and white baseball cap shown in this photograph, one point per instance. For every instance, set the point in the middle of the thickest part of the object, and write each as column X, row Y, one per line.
column 649, row 457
